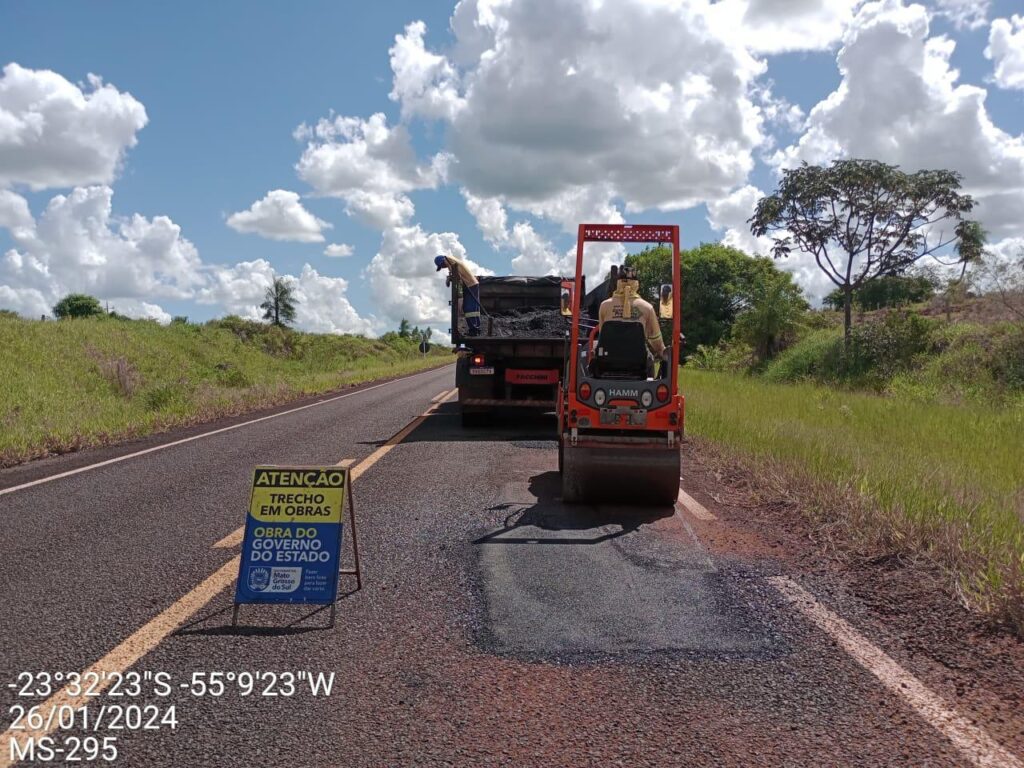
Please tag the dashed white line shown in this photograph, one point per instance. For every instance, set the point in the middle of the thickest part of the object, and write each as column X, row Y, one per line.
column 976, row 746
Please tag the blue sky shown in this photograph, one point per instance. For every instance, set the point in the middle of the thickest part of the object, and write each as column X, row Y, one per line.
column 224, row 86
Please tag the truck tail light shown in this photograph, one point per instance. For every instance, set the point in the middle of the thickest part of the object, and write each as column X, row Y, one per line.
column 585, row 391
column 662, row 393
column 478, row 359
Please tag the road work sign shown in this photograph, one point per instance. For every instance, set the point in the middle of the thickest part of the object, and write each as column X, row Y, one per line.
column 292, row 544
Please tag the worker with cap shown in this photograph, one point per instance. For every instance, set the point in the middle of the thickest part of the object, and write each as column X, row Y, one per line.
column 625, row 303
column 470, row 290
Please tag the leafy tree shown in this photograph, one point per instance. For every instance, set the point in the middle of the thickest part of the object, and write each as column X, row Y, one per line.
column 1005, row 278
column 771, row 321
column 863, row 218
column 78, row 305
column 718, row 283
column 279, row 303
column 886, row 291
column 404, row 329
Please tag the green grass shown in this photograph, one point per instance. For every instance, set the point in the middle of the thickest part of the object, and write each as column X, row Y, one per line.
column 940, row 480
column 76, row 383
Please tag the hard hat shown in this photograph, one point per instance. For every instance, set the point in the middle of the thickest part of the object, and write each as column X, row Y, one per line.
column 441, row 261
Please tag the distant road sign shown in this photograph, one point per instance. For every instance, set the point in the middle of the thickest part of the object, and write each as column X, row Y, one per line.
column 424, row 346
column 292, row 544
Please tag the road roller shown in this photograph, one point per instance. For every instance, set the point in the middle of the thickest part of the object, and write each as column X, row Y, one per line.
column 620, row 414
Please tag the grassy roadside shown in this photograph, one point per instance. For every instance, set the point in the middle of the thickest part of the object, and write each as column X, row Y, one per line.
column 939, row 480
column 76, row 383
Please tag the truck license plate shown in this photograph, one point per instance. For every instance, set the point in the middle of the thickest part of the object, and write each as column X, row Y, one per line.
column 482, row 371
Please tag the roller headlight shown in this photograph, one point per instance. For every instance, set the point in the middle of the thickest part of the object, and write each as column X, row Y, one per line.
column 600, row 397
column 646, row 398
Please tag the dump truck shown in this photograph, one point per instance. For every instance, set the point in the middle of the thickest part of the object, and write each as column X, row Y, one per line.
column 516, row 361
column 620, row 417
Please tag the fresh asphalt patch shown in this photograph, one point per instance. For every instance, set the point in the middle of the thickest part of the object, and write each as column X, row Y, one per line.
column 570, row 582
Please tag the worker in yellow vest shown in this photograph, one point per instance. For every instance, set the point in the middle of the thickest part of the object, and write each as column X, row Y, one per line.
column 470, row 290
column 625, row 303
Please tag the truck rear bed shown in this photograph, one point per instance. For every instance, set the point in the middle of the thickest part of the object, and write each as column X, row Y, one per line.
column 517, row 360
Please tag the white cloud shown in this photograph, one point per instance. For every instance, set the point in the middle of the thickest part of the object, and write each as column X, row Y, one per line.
column 368, row 164
column 338, row 250
column 1006, row 50
column 141, row 310
column 14, row 213
column 76, row 245
column 965, row 14
column 491, row 217
column 731, row 214
column 322, row 304
column 777, row 26
column 425, row 84
column 534, row 255
column 403, row 280
column 56, row 134
column 602, row 113
column 280, row 216
column 899, row 101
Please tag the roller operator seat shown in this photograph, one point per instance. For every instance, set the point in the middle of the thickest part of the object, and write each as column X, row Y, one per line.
column 621, row 351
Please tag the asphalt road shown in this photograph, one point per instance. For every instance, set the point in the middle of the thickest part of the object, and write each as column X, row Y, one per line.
column 494, row 627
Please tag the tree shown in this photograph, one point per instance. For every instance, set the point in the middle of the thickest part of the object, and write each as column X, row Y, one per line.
column 861, row 219
column 718, row 283
column 279, row 304
column 403, row 328
column 773, row 318
column 886, row 291
column 1004, row 276
column 78, row 305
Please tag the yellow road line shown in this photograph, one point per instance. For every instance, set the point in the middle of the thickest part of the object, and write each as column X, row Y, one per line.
column 126, row 654
column 234, row 538
column 149, row 636
column 694, row 507
column 974, row 743
column 442, row 395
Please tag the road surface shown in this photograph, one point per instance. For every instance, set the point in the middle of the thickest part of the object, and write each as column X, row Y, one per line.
column 494, row 625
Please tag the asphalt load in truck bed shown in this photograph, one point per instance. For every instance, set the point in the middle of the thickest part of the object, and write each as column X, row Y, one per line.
column 525, row 322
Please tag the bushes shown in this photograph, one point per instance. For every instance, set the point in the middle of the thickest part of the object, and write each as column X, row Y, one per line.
column 809, row 358
column 878, row 352
column 911, row 355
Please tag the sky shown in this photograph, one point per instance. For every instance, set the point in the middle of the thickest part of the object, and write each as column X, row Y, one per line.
column 175, row 162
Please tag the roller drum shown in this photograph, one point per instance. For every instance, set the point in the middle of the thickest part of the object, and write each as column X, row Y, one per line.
column 642, row 474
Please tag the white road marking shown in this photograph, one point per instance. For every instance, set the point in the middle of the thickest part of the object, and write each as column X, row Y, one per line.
column 116, row 459
column 697, row 543
column 694, row 507
column 149, row 636
column 975, row 745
